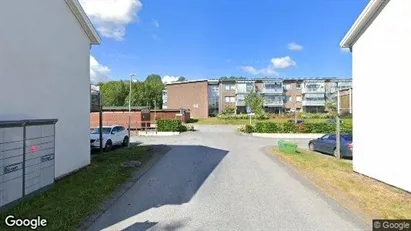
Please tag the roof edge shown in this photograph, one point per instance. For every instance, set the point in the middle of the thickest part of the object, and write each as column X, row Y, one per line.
column 187, row 81
column 84, row 21
column 366, row 17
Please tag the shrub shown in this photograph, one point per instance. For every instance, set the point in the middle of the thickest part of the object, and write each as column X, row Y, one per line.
column 262, row 116
column 317, row 115
column 188, row 127
column 290, row 127
column 241, row 116
column 229, row 110
column 249, row 128
column 169, row 125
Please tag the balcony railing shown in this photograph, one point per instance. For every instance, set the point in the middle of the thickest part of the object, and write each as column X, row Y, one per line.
column 244, row 91
column 240, row 102
column 313, row 103
column 279, row 90
column 313, row 90
column 273, row 103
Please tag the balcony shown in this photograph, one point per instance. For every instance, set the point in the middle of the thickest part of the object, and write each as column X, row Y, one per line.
column 240, row 103
column 278, row 90
column 308, row 90
column 313, row 103
column 244, row 88
column 274, row 103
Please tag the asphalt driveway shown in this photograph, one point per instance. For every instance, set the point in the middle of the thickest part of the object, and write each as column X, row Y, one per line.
column 217, row 179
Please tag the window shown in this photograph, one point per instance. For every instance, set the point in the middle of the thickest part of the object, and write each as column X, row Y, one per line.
column 229, row 99
column 230, row 86
column 287, row 86
column 332, row 137
column 298, row 85
column 298, row 99
column 115, row 130
column 325, row 137
column 120, row 129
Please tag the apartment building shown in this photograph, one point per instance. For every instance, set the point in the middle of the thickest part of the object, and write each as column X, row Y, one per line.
column 293, row 95
column 209, row 97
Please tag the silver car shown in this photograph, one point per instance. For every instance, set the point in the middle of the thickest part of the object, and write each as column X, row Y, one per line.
column 327, row 144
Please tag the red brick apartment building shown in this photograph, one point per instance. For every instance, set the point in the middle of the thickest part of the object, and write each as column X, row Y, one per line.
column 206, row 98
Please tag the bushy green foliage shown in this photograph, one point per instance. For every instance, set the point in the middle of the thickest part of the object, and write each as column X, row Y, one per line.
column 241, row 116
column 255, row 102
column 170, row 125
column 249, row 128
column 317, row 115
column 229, row 110
column 290, row 127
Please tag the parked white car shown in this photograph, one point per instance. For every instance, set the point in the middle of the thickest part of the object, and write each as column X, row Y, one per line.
column 112, row 136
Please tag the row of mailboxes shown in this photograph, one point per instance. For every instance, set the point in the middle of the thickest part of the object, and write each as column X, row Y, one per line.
column 27, row 153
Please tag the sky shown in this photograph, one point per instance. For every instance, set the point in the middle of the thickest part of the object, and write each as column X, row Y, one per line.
column 201, row 39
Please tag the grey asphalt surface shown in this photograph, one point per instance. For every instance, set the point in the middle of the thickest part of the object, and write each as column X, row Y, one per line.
column 217, row 179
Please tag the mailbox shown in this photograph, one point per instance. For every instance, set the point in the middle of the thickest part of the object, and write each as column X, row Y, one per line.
column 27, row 157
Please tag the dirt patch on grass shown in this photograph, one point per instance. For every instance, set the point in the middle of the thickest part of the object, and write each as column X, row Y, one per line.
column 366, row 197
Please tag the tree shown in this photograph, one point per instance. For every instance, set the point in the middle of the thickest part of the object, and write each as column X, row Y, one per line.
column 331, row 106
column 153, row 88
column 232, row 78
column 255, row 102
column 181, row 78
column 114, row 93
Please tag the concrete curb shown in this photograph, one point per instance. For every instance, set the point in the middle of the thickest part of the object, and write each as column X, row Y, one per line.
column 143, row 133
column 158, row 151
column 288, row 135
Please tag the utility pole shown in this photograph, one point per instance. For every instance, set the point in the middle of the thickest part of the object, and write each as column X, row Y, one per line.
column 129, row 110
column 155, row 109
column 337, row 133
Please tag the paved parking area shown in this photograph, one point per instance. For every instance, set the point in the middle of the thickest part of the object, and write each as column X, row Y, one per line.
column 217, row 179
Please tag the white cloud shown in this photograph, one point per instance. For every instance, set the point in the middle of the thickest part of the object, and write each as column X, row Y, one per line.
column 275, row 63
column 169, row 79
column 98, row 72
column 283, row 62
column 111, row 16
column 295, row 47
column 345, row 50
column 155, row 23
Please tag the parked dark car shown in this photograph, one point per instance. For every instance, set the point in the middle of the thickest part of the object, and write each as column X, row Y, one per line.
column 327, row 144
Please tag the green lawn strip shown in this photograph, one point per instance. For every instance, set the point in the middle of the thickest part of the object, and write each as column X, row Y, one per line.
column 370, row 198
column 217, row 121
column 76, row 197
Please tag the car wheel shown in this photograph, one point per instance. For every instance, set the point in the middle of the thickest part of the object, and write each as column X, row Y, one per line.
column 311, row 146
column 125, row 141
column 108, row 146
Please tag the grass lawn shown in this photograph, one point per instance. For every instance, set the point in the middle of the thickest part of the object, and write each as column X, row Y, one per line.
column 75, row 197
column 216, row 121
column 367, row 197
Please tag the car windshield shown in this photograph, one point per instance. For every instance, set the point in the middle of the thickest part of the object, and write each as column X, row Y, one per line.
column 97, row 131
column 347, row 137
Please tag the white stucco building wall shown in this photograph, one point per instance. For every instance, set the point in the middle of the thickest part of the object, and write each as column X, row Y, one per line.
column 381, row 58
column 45, row 74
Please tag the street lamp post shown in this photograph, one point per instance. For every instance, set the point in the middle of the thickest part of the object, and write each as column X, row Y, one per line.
column 129, row 110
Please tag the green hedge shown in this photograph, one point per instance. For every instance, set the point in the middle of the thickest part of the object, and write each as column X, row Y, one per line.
column 316, row 115
column 241, row 116
column 290, row 127
column 170, row 125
